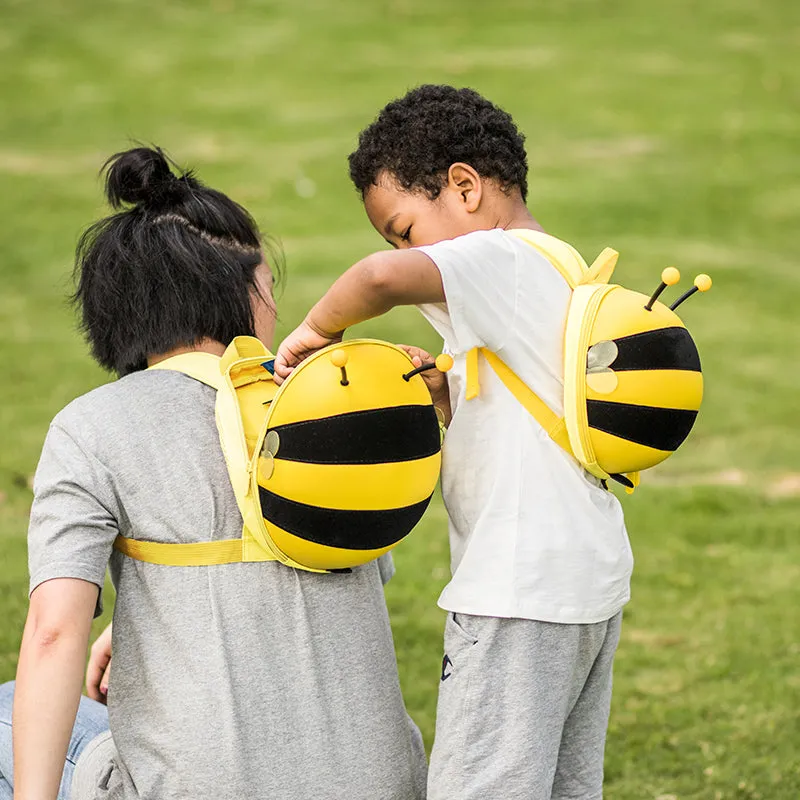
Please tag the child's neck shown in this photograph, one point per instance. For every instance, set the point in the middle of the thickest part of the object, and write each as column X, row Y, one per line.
column 515, row 214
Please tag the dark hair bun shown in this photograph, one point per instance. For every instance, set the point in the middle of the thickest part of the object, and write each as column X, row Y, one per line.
column 141, row 176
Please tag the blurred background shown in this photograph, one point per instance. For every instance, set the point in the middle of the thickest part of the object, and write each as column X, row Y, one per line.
column 669, row 131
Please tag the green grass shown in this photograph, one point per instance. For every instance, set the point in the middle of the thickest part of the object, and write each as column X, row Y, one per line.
column 667, row 130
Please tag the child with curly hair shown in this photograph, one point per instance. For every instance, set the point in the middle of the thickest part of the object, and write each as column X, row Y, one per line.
column 541, row 560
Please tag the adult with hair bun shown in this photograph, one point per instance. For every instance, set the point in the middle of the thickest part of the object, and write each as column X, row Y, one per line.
column 236, row 681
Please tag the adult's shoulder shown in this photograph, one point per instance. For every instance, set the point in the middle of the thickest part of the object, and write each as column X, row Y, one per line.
column 86, row 407
column 123, row 402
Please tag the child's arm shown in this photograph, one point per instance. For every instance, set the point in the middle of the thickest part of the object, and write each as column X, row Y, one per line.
column 372, row 287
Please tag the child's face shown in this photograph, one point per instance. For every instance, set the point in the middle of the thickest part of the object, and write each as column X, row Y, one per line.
column 409, row 219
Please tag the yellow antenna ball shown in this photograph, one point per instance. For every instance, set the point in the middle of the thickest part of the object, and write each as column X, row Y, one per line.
column 670, row 276
column 702, row 282
column 339, row 358
column 444, row 362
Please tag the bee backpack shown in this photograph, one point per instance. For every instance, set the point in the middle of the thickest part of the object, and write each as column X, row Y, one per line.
column 330, row 470
column 632, row 379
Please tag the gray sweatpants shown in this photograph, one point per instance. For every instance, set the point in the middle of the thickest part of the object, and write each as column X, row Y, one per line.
column 96, row 773
column 523, row 709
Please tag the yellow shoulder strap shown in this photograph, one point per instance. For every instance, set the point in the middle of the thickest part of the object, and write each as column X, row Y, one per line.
column 553, row 424
column 575, row 272
column 567, row 260
column 473, row 382
column 241, row 364
column 203, row 367
column 564, row 257
column 236, row 371
column 236, row 367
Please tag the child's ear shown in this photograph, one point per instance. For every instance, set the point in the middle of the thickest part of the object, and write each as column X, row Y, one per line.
column 466, row 183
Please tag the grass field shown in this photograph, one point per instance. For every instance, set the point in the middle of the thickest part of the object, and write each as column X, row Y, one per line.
column 668, row 130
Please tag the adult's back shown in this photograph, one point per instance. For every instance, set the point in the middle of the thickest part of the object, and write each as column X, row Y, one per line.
column 236, row 680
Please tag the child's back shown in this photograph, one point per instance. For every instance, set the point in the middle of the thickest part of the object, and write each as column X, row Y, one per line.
column 532, row 535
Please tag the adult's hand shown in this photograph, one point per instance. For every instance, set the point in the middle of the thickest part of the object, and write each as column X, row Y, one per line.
column 99, row 666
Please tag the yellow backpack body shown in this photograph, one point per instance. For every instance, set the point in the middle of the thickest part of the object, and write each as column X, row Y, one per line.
column 632, row 378
column 330, row 470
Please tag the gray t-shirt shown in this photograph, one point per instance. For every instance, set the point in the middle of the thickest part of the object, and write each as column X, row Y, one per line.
column 233, row 681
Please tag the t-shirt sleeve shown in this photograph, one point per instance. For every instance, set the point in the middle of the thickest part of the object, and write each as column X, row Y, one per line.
column 479, row 275
column 73, row 523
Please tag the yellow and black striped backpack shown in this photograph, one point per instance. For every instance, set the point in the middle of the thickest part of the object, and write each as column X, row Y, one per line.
column 330, row 470
column 632, row 378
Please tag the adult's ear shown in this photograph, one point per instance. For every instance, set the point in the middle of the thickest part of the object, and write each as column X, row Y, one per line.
column 467, row 184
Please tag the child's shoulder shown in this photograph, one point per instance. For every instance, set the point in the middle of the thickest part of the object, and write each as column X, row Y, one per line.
column 490, row 236
column 493, row 243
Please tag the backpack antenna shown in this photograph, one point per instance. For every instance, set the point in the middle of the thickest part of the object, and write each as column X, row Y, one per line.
column 669, row 277
column 339, row 359
column 702, row 283
column 444, row 363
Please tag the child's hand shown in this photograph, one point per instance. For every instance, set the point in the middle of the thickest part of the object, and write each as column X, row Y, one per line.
column 301, row 343
column 435, row 381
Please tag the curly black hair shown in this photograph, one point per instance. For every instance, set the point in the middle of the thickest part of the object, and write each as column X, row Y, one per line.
column 417, row 137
